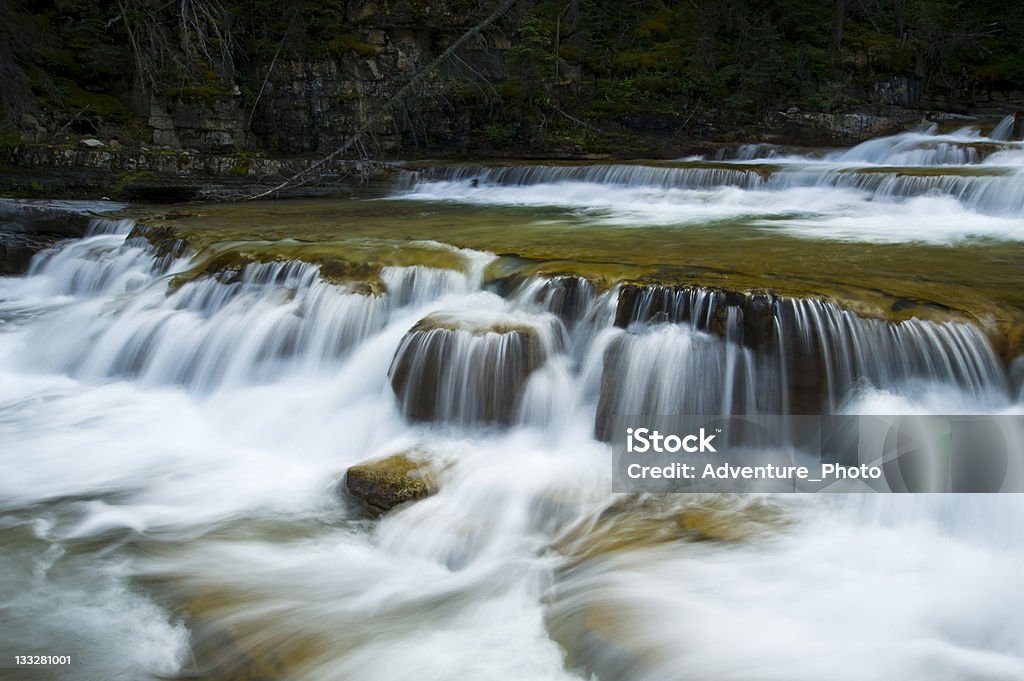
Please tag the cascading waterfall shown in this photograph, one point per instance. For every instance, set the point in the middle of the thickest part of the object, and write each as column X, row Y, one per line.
column 981, row 173
column 102, row 262
column 845, row 349
column 624, row 175
column 471, row 368
column 674, row 370
column 236, row 327
column 1004, row 130
column 175, row 430
column 701, row 351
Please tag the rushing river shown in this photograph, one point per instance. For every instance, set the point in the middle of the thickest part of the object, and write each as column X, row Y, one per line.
column 175, row 424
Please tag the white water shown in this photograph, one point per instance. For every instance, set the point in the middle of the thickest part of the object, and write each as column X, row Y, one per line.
column 912, row 187
column 168, row 452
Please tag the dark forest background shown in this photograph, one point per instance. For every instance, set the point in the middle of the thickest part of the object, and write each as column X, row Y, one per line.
column 547, row 70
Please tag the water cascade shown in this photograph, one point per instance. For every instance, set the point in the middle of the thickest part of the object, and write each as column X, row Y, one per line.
column 177, row 423
column 981, row 173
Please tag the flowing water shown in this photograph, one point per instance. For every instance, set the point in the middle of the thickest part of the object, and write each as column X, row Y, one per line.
column 175, row 423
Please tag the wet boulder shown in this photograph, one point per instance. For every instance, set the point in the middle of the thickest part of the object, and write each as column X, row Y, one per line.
column 470, row 368
column 382, row 484
column 26, row 229
column 16, row 251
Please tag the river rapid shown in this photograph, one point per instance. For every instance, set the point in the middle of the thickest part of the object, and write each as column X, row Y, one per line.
column 174, row 433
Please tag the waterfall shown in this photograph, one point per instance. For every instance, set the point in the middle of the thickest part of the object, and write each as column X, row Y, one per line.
column 623, row 175
column 1004, row 129
column 178, row 418
column 673, row 370
column 102, row 262
column 982, row 173
column 845, row 349
column 702, row 351
column 471, row 368
column 235, row 326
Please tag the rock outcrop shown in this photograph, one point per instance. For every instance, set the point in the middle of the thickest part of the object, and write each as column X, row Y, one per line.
column 26, row 229
column 382, row 484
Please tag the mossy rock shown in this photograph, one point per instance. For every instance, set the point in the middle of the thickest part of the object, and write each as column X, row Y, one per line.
column 162, row 239
column 381, row 485
column 446, row 322
column 363, row 278
column 226, row 265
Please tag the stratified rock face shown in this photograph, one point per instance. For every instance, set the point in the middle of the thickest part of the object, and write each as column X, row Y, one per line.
column 381, row 485
column 465, row 370
column 314, row 104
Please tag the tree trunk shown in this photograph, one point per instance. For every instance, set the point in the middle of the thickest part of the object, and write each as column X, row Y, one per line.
column 839, row 13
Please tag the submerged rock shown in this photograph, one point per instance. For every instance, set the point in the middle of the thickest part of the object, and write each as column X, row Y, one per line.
column 638, row 521
column 595, row 631
column 383, row 484
column 470, row 369
column 228, row 643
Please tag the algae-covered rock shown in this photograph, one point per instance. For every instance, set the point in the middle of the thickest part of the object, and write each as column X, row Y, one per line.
column 227, row 265
column 362, row 278
column 383, row 484
column 163, row 240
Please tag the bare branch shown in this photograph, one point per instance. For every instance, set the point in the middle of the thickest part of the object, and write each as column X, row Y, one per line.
column 372, row 122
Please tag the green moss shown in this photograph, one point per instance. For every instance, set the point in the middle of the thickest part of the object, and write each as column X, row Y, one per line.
column 125, row 179
column 498, row 134
column 104, row 105
column 22, row 189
